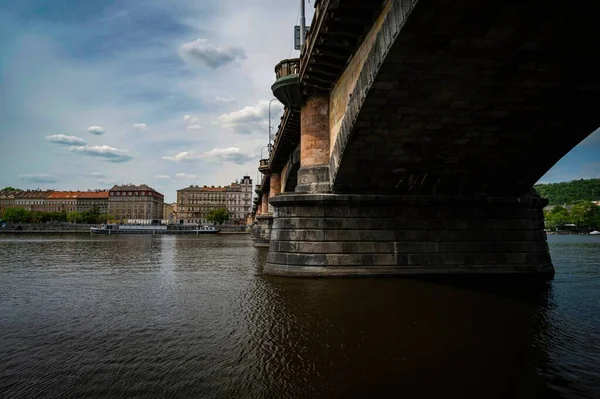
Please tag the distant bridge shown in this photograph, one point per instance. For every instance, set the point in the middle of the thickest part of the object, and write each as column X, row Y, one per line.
column 414, row 130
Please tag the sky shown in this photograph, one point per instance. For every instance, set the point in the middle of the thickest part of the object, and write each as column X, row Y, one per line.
column 163, row 92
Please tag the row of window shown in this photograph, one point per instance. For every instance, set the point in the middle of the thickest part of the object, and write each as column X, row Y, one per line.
column 135, row 193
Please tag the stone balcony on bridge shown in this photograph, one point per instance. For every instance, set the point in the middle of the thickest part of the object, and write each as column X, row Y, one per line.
column 287, row 84
column 263, row 166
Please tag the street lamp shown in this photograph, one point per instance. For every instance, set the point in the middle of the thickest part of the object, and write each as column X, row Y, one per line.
column 270, row 122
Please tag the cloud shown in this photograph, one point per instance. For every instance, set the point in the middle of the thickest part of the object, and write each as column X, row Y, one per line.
column 248, row 120
column 111, row 154
column 225, row 100
column 38, row 178
column 185, row 176
column 191, row 122
column 140, row 127
column 162, row 177
column 108, row 182
column 63, row 139
column 97, row 130
column 214, row 57
column 185, row 156
column 231, row 154
column 94, row 174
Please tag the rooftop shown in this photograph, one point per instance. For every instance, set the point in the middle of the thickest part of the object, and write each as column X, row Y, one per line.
column 93, row 195
column 64, row 194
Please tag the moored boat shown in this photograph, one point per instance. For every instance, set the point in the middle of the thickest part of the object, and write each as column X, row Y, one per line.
column 110, row 229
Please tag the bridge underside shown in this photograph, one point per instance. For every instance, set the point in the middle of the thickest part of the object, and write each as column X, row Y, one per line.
column 460, row 107
column 471, row 97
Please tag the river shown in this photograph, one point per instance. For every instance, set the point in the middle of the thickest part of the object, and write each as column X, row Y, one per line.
column 193, row 317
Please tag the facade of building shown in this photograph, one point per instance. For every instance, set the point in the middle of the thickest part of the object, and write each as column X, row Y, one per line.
column 89, row 200
column 32, row 200
column 62, row 201
column 7, row 199
column 135, row 202
column 195, row 203
column 239, row 200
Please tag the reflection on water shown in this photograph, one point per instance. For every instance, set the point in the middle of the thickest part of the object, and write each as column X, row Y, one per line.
column 188, row 316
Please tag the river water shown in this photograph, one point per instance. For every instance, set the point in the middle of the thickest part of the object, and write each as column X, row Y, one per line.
column 193, row 317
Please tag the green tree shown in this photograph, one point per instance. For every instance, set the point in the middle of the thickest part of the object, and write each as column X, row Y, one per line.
column 9, row 188
column 557, row 218
column 74, row 217
column 16, row 215
column 586, row 215
column 219, row 215
column 570, row 192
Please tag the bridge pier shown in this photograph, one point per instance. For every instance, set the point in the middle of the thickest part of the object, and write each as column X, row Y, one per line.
column 313, row 175
column 316, row 235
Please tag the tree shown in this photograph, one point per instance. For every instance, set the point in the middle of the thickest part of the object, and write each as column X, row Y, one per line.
column 570, row 192
column 74, row 217
column 16, row 215
column 219, row 215
column 557, row 218
column 9, row 188
column 586, row 215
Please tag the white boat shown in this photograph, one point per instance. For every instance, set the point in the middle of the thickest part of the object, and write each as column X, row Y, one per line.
column 150, row 229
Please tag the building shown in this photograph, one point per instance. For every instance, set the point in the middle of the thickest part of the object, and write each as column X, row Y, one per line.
column 32, row 200
column 7, row 199
column 62, row 201
column 135, row 202
column 195, row 203
column 239, row 200
column 89, row 200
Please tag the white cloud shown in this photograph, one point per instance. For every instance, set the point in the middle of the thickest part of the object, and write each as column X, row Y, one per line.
column 231, row 154
column 63, row 139
column 225, row 100
column 97, row 130
column 106, row 182
column 140, row 127
column 95, row 174
column 38, row 178
column 214, row 57
column 185, row 156
column 111, row 154
column 185, row 176
column 192, row 122
column 250, row 119
column 162, row 177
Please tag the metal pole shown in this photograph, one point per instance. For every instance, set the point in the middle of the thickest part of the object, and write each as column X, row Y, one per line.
column 270, row 119
column 302, row 25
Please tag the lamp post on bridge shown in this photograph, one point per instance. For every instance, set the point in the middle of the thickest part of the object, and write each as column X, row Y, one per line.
column 269, row 142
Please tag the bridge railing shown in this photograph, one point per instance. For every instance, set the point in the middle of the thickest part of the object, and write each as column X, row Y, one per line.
column 287, row 67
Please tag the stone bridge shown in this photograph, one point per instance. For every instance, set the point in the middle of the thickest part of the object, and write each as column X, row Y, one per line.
column 414, row 131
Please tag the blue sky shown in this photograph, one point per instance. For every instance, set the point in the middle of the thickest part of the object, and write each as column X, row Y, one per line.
column 167, row 93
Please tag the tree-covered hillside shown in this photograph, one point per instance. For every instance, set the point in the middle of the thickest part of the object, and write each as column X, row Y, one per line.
column 570, row 192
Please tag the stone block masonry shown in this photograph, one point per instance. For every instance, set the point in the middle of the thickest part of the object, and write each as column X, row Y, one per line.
column 261, row 231
column 317, row 235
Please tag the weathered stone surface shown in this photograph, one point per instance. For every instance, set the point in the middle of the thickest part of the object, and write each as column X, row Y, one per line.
column 330, row 234
column 261, row 230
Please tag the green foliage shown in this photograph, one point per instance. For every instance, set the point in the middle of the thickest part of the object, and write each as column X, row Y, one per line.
column 570, row 192
column 16, row 215
column 20, row 215
column 586, row 215
column 557, row 218
column 9, row 188
column 218, row 216
column 74, row 217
